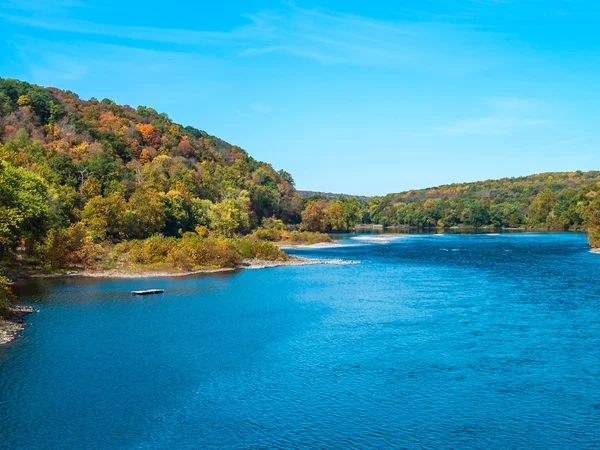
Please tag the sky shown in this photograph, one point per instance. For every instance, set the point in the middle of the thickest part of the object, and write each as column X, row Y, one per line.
column 348, row 96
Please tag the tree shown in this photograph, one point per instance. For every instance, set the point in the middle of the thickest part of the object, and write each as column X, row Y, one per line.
column 23, row 206
column 314, row 216
column 230, row 215
column 177, row 213
column 335, row 216
column 201, row 213
column 104, row 216
column 145, row 215
column 541, row 207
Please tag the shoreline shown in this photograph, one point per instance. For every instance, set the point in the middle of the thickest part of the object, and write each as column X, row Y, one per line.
column 10, row 327
column 252, row 263
column 294, row 261
column 316, row 245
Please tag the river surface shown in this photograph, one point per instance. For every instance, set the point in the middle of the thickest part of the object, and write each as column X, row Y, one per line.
column 433, row 341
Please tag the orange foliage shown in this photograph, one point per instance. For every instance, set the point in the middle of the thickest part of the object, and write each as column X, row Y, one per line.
column 428, row 204
column 146, row 130
column 147, row 155
column 108, row 121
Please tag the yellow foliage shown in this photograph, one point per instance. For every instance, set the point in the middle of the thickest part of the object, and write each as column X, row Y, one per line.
column 23, row 100
column 80, row 151
column 53, row 130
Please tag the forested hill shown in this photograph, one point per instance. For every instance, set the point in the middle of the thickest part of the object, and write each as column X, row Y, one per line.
column 331, row 196
column 506, row 188
column 124, row 172
column 556, row 200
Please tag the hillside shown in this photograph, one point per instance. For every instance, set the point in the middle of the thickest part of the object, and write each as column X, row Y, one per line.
column 93, row 156
column 330, row 195
column 514, row 188
column 556, row 201
column 79, row 176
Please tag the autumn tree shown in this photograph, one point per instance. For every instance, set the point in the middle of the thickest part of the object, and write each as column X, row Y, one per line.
column 314, row 216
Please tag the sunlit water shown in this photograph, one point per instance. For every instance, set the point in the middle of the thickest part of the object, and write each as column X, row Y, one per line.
column 474, row 341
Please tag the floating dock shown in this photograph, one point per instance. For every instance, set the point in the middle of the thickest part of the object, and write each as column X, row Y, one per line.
column 148, row 292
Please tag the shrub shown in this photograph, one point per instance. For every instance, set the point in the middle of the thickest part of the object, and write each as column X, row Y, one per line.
column 267, row 251
column 69, row 247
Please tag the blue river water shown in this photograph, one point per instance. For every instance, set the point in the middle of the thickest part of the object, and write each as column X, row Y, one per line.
column 432, row 341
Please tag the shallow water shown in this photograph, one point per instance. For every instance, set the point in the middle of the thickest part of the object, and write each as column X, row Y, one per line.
column 474, row 341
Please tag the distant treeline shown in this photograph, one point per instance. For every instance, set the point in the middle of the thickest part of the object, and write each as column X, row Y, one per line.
column 331, row 196
column 553, row 201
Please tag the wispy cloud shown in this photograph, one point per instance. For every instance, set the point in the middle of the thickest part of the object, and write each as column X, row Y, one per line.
column 39, row 4
column 327, row 37
column 51, row 63
column 491, row 125
column 567, row 142
column 513, row 103
column 166, row 35
column 261, row 108
column 502, row 115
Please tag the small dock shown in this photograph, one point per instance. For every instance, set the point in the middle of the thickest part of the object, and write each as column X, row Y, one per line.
column 148, row 292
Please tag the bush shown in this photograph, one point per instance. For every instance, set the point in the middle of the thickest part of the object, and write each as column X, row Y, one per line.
column 68, row 248
column 267, row 251
column 193, row 252
column 257, row 249
column 307, row 237
column 291, row 237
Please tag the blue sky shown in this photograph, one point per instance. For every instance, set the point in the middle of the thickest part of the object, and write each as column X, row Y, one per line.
column 348, row 96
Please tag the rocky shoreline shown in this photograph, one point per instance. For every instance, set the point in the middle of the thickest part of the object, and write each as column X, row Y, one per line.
column 293, row 261
column 317, row 245
column 12, row 325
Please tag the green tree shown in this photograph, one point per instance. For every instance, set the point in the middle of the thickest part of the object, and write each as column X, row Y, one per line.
column 104, row 216
column 23, row 206
column 145, row 215
column 230, row 215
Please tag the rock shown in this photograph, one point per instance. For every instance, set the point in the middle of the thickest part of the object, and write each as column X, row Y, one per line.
column 13, row 324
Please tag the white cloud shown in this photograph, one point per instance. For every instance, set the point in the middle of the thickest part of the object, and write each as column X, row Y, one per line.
column 491, row 125
column 327, row 37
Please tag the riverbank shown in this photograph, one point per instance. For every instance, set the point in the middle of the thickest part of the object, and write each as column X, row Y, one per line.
column 249, row 263
column 293, row 261
column 10, row 326
column 316, row 245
